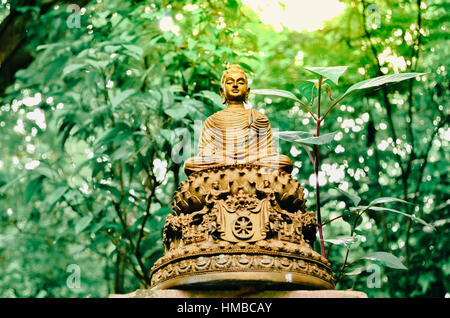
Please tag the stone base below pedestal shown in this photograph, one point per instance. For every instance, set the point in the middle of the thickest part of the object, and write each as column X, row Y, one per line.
column 243, row 293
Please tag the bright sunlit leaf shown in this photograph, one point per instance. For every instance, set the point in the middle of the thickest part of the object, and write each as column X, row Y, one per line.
column 333, row 73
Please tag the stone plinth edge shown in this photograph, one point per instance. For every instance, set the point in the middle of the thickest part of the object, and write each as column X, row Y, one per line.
column 244, row 293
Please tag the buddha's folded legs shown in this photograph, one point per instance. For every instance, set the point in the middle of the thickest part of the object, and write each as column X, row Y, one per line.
column 200, row 163
column 274, row 161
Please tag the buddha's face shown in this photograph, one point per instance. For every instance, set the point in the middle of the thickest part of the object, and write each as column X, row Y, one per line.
column 235, row 87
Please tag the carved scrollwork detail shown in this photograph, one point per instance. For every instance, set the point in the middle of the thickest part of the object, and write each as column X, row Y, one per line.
column 221, row 261
column 241, row 262
column 202, row 263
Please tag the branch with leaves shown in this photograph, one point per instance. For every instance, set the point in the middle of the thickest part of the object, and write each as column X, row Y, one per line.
column 315, row 141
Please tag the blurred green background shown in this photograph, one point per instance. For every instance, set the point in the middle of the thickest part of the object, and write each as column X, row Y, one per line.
column 95, row 96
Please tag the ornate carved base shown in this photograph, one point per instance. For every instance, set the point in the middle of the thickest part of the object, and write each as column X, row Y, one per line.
column 279, row 265
column 238, row 225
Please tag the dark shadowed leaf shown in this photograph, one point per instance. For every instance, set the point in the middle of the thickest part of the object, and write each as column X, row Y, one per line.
column 32, row 188
column 164, row 211
column 351, row 217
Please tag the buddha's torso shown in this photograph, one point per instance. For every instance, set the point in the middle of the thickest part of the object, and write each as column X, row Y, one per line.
column 236, row 136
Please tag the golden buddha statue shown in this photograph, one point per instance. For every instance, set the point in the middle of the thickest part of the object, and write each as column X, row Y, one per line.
column 236, row 135
column 240, row 218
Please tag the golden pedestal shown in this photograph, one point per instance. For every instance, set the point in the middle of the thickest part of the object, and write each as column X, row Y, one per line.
column 240, row 225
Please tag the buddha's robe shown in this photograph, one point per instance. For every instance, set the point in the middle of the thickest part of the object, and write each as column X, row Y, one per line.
column 237, row 136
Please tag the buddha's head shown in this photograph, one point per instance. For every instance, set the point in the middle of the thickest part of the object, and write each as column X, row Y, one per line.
column 234, row 85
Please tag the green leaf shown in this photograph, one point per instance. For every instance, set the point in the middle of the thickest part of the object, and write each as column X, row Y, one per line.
column 124, row 152
column 359, row 232
column 355, row 199
column 321, row 140
column 233, row 4
column 56, row 195
column 119, row 98
column 387, row 200
column 83, row 223
column 151, row 250
column 106, row 136
column 11, row 183
column 111, row 190
column 111, row 48
column 24, row 9
column 292, row 136
column 380, row 80
column 275, row 92
column 426, row 280
column 378, row 208
column 47, row 172
column 192, row 106
column 97, row 167
column 176, row 113
column 304, row 138
column 72, row 68
column 305, row 89
column 350, row 218
column 346, row 241
column 32, row 187
column 356, row 271
column 135, row 49
column 387, row 259
column 333, row 73
column 214, row 97
column 164, row 211
column 99, row 65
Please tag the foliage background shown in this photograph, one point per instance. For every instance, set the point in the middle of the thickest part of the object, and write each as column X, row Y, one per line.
column 89, row 117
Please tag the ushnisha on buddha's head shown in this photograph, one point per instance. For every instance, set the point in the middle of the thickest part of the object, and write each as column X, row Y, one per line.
column 234, row 89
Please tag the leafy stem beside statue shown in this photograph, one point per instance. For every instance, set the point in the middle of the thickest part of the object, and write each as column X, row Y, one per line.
column 313, row 98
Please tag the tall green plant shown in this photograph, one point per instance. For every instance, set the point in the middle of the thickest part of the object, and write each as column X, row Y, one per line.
column 312, row 91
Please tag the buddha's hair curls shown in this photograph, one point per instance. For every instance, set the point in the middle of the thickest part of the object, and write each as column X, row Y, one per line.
column 233, row 67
